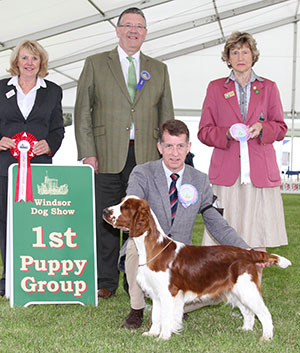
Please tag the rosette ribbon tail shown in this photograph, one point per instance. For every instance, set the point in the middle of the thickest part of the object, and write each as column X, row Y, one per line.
column 240, row 132
column 17, row 186
column 24, row 182
column 29, row 196
column 245, row 163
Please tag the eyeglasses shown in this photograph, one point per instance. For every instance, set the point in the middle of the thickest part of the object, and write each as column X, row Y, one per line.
column 129, row 26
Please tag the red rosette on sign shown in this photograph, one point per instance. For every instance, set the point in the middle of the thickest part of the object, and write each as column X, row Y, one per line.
column 23, row 153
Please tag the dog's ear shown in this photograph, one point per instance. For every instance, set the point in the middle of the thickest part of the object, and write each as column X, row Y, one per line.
column 140, row 220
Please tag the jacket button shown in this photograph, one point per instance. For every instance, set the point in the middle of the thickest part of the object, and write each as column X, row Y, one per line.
column 132, row 110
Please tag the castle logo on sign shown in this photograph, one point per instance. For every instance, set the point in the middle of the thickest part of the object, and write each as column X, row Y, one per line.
column 50, row 187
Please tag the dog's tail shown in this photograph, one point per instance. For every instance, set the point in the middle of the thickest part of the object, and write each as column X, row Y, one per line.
column 270, row 259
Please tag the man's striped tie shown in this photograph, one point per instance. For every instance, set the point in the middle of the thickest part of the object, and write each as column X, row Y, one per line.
column 173, row 195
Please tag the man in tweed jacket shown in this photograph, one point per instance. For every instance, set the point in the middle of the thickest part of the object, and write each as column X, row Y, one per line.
column 114, row 131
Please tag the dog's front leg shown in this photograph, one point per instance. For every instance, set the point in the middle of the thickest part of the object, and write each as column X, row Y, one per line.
column 155, row 316
column 167, row 310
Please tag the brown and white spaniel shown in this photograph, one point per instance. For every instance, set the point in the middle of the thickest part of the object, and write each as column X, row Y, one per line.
column 173, row 273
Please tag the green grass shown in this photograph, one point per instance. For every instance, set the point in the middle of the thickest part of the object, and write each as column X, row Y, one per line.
column 73, row 328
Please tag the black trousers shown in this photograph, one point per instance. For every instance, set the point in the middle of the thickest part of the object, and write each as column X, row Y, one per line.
column 110, row 189
column 3, row 226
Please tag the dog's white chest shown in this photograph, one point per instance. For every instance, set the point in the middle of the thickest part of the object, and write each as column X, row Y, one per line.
column 152, row 282
column 140, row 245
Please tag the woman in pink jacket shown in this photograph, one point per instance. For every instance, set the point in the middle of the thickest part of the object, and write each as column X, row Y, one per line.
column 245, row 175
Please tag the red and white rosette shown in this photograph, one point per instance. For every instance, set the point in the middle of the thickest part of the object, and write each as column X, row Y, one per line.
column 23, row 152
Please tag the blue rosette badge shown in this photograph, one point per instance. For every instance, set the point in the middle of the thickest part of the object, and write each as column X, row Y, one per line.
column 145, row 76
column 188, row 195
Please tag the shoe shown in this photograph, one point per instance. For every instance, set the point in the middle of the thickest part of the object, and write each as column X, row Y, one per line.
column 134, row 320
column 104, row 293
column 185, row 316
column 2, row 292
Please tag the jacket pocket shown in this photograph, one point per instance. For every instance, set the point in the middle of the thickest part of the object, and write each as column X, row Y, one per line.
column 99, row 130
column 216, row 163
column 271, row 163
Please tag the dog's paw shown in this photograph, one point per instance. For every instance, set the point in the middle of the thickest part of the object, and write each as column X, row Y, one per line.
column 165, row 336
column 150, row 334
column 266, row 338
column 246, row 328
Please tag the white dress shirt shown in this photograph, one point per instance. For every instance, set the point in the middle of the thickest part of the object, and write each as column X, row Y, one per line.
column 26, row 101
column 168, row 173
column 125, row 65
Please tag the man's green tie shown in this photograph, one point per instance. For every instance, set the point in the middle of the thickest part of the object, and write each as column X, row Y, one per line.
column 131, row 78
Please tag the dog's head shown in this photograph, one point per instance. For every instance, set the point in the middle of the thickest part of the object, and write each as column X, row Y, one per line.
column 132, row 214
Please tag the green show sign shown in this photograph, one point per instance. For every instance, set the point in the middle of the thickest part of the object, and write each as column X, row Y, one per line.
column 51, row 250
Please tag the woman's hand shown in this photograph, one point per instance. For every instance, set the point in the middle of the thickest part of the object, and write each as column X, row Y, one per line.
column 6, row 143
column 41, row 147
column 228, row 135
column 255, row 130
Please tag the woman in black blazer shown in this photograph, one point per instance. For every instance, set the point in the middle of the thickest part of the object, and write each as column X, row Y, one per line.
column 28, row 104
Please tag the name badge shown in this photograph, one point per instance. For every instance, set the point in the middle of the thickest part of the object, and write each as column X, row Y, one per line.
column 10, row 93
column 229, row 94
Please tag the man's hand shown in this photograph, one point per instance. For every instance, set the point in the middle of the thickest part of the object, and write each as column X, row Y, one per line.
column 266, row 264
column 263, row 264
column 92, row 161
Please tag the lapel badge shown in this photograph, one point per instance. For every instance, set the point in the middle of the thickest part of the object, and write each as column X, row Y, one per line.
column 145, row 76
column 188, row 195
column 255, row 89
column 229, row 94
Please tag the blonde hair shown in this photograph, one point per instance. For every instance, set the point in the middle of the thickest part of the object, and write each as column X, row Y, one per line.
column 33, row 47
column 236, row 40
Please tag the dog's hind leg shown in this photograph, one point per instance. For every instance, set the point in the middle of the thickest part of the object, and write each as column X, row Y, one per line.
column 178, row 313
column 247, row 292
column 248, row 315
column 257, row 305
